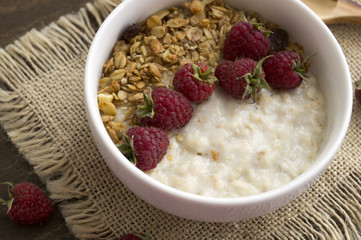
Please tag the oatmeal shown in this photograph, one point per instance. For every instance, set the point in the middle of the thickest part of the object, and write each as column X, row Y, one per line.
column 230, row 148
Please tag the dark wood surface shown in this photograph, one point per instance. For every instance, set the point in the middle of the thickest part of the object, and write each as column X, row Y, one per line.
column 16, row 18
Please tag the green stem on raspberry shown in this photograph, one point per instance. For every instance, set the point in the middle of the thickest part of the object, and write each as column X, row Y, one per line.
column 147, row 237
column 255, row 81
column 267, row 33
column 127, row 148
column 203, row 76
column 257, row 26
column 8, row 203
column 358, row 85
column 147, row 109
column 299, row 66
column 258, row 70
column 249, row 90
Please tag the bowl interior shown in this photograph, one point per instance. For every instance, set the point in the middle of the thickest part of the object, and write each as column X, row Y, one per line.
column 300, row 22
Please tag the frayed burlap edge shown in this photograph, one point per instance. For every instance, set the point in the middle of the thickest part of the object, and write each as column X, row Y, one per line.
column 28, row 56
column 337, row 216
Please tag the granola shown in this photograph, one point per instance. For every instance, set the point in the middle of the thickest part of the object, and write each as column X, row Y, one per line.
column 170, row 38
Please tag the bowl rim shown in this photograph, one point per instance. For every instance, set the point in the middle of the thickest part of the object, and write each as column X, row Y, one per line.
column 300, row 181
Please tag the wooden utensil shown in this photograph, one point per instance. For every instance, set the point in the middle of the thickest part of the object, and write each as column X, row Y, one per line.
column 336, row 11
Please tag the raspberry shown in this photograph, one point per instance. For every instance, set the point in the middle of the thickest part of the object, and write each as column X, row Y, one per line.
column 145, row 146
column 358, row 90
column 134, row 236
column 165, row 109
column 242, row 78
column 195, row 81
column 245, row 41
column 28, row 204
column 284, row 70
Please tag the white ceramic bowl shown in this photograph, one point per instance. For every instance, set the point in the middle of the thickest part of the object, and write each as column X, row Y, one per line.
column 329, row 66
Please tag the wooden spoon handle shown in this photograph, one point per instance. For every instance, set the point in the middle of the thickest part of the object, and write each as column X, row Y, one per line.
column 346, row 11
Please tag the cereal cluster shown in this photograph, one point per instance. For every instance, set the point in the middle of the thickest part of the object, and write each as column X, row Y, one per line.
column 167, row 40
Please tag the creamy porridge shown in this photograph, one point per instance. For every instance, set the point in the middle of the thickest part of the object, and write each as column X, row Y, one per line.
column 232, row 149
column 229, row 148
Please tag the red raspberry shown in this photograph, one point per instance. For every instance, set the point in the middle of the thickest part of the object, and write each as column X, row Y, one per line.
column 195, row 81
column 165, row 109
column 284, row 70
column 136, row 236
column 242, row 78
column 358, row 90
column 28, row 204
column 145, row 146
column 245, row 41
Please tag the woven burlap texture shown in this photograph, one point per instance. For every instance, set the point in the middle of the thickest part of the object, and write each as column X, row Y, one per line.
column 42, row 110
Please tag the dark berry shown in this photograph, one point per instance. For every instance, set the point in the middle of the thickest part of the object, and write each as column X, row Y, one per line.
column 279, row 40
column 131, row 31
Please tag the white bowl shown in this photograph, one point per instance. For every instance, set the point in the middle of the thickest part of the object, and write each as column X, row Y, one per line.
column 329, row 66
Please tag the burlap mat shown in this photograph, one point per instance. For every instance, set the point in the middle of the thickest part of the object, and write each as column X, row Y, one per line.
column 42, row 110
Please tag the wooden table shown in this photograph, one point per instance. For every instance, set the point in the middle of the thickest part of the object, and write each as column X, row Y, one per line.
column 16, row 18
